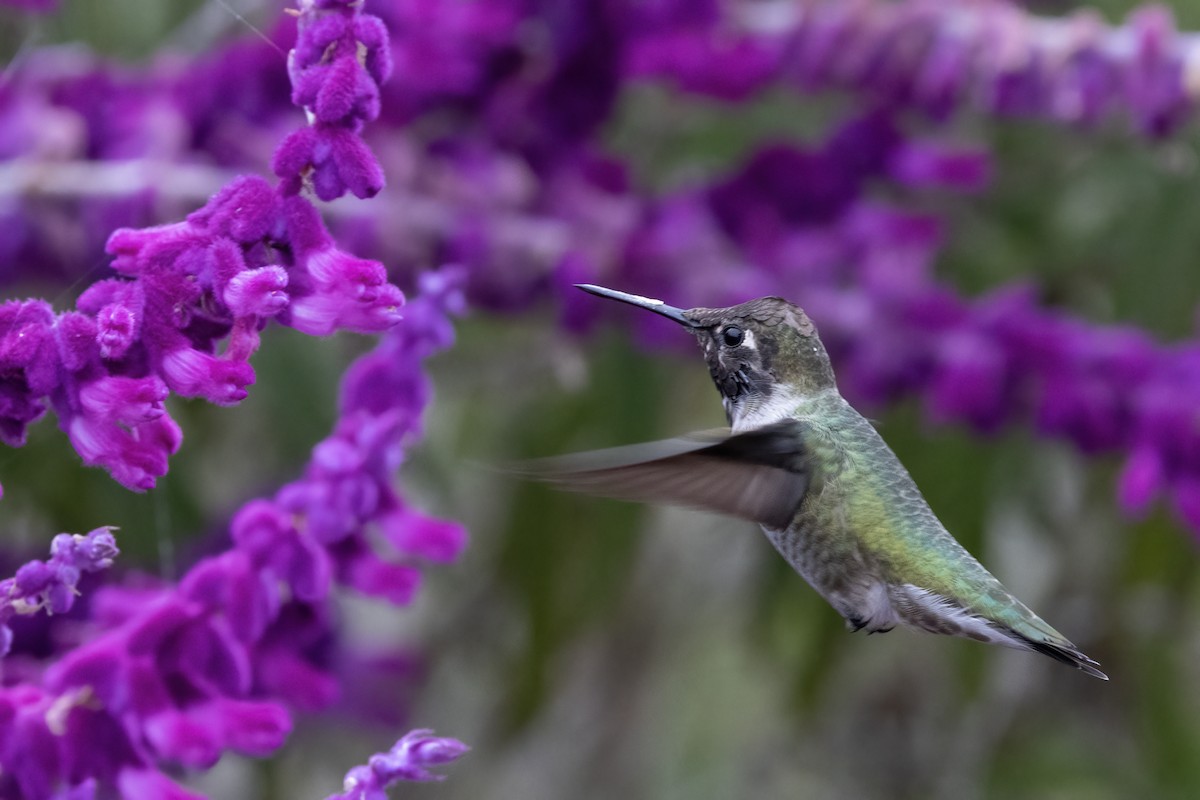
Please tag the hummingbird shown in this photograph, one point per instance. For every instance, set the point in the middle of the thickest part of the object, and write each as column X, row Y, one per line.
column 831, row 496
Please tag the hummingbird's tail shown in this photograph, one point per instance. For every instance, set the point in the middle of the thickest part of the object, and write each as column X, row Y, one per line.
column 1063, row 652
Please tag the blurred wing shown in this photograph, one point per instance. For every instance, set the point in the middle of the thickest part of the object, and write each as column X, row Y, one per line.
column 759, row 475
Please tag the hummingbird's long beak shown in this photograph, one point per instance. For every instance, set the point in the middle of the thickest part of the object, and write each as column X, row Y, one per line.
column 657, row 306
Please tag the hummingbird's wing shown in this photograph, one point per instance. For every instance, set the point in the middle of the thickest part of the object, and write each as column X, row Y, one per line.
column 759, row 475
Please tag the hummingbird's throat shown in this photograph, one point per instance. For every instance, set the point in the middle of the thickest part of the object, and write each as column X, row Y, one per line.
column 735, row 385
column 744, row 397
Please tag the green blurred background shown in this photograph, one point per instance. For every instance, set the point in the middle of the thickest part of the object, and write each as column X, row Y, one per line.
column 593, row 649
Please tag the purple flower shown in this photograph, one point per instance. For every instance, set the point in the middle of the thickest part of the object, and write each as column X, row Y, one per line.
column 168, row 677
column 50, row 585
column 338, row 159
column 935, row 58
column 184, row 289
column 1154, row 80
column 407, row 760
column 970, row 382
column 331, row 289
column 174, row 676
column 28, row 364
column 922, row 164
column 184, row 313
column 341, row 57
column 1140, row 480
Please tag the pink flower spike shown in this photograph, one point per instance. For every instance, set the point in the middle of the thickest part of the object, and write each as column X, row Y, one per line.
column 245, row 210
column 116, row 329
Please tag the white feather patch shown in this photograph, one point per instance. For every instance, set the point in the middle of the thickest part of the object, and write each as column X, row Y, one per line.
column 944, row 608
column 779, row 404
column 877, row 612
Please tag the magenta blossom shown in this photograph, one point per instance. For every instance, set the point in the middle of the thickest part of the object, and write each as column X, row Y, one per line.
column 184, row 312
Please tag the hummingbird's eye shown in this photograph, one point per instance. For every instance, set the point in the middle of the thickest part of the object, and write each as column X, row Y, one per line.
column 733, row 336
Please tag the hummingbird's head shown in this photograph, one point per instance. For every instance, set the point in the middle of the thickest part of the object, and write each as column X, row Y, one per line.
column 763, row 355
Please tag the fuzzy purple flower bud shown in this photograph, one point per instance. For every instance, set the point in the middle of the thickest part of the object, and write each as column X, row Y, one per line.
column 116, row 329
column 77, row 340
column 345, row 293
column 134, row 456
column 407, row 760
column 129, row 401
column 340, row 162
column 232, row 584
column 340, row 58
column 191, row 373
column 273, row 542
column 258, row 292
column 246, row 210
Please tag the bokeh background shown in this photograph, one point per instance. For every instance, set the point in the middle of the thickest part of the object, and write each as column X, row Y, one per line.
column 593, row 649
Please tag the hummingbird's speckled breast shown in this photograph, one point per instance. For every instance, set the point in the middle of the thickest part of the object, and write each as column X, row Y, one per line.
column 821, row 543
column 865, row 537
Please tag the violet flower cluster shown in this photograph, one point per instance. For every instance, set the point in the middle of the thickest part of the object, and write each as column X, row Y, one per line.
column 176, row 675
column 50, row 585
column 339, row 61
column 166, row 677
column 184, row 313
column 937, row 57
